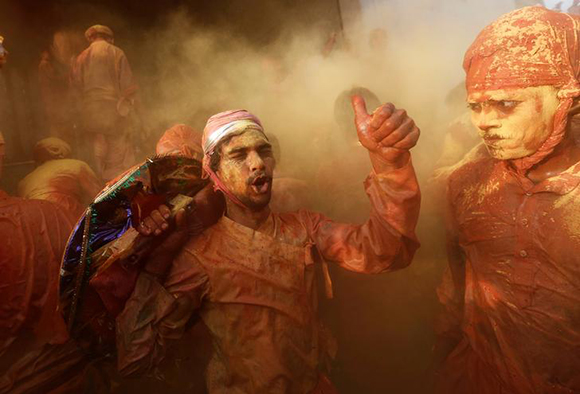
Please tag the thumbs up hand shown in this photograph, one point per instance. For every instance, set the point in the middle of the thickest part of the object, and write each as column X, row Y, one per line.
column 388, row 132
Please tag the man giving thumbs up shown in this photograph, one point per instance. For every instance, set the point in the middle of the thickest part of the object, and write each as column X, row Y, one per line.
column 251, row 276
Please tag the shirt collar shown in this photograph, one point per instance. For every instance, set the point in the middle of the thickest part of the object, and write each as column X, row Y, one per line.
column 562, row 183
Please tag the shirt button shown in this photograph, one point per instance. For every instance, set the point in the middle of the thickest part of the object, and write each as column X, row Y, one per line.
column 524, row 222
column 528, row 194
column 523, row 253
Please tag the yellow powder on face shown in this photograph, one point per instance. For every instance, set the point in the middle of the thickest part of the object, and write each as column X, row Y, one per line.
column 522, row 131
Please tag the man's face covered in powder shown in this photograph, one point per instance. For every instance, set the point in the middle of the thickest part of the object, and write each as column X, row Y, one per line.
column 514, row 123
column 246, row 167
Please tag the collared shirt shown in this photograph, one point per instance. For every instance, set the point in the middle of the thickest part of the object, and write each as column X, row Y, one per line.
column 513, row 293
column 254, row 290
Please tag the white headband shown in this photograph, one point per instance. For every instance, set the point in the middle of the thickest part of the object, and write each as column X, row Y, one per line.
column 230, row 129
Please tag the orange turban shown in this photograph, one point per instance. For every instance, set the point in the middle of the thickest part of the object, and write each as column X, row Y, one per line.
column 528, row 47
column 180, row 140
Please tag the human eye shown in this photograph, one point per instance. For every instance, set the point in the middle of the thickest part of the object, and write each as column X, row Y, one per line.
column 473, row 106
column 238, row 156
column 265, row 150
column 507, row 105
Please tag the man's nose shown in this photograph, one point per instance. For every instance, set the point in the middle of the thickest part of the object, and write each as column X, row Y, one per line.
column 486, row 119
column 255, row 162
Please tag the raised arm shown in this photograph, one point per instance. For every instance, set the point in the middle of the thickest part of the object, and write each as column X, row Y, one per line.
column 387, row 240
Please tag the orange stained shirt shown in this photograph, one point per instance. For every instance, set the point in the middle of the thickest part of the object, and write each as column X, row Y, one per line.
column 102, row 72
column 255, row 290
column 35, row 353
column 512, row 291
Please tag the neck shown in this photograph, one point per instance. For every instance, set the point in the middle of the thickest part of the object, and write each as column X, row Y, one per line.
column 245, row 216
column 565, row 155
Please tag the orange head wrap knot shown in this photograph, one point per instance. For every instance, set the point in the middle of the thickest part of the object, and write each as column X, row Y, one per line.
column 531, row 46
column 51, row 149
column 220, row 127
column 180, row 140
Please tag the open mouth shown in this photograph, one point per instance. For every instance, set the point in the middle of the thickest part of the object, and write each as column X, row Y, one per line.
column 492, row 138
column 261, row 184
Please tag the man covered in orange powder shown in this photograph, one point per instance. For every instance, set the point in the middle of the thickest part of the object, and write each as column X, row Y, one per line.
column 36, row 354
column 251, row 276
column 67, row 182
column 103, row 80
column 512, row 295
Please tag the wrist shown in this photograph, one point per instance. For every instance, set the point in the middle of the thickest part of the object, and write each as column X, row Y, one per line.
column 394, row 160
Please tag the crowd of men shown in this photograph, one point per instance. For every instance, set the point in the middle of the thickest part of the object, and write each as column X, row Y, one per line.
column 510, row 298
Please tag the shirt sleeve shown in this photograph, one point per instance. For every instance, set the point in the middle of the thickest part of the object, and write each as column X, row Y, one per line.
column 158, row 313
column 387, row 240
column 127, row 85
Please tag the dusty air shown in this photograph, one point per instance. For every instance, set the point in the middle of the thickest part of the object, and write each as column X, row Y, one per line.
column 290, row 197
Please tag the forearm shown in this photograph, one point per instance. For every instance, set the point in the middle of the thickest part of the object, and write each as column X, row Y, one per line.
column 395, row 199
column 394, row 194
column 387, row 240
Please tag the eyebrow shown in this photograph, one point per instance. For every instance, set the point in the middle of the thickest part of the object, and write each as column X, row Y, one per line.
column 496, row 97
column 264, row 145
column 243, row 149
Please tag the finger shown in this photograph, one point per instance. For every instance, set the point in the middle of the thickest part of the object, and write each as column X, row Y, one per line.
column 180, row 219
column 143, row 229
column 157, row 216
column 381, row 114
column 165, row 211
column 389, row 124
column 150, row 225
column 362, row 121
column 160, row 221
column 398, row 133
column 361, row 116
column 410, row 140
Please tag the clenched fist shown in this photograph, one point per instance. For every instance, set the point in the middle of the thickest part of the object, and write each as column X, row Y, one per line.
column 388, row 132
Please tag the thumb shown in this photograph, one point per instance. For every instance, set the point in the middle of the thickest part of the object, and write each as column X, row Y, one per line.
column 362, row 119
column 180, row 220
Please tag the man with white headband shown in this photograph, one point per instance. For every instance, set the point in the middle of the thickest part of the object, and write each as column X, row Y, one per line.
column 512, row 296
column 251, row 277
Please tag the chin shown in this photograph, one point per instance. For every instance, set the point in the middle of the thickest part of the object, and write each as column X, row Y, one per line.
column 506, row 154
column 258, row 203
